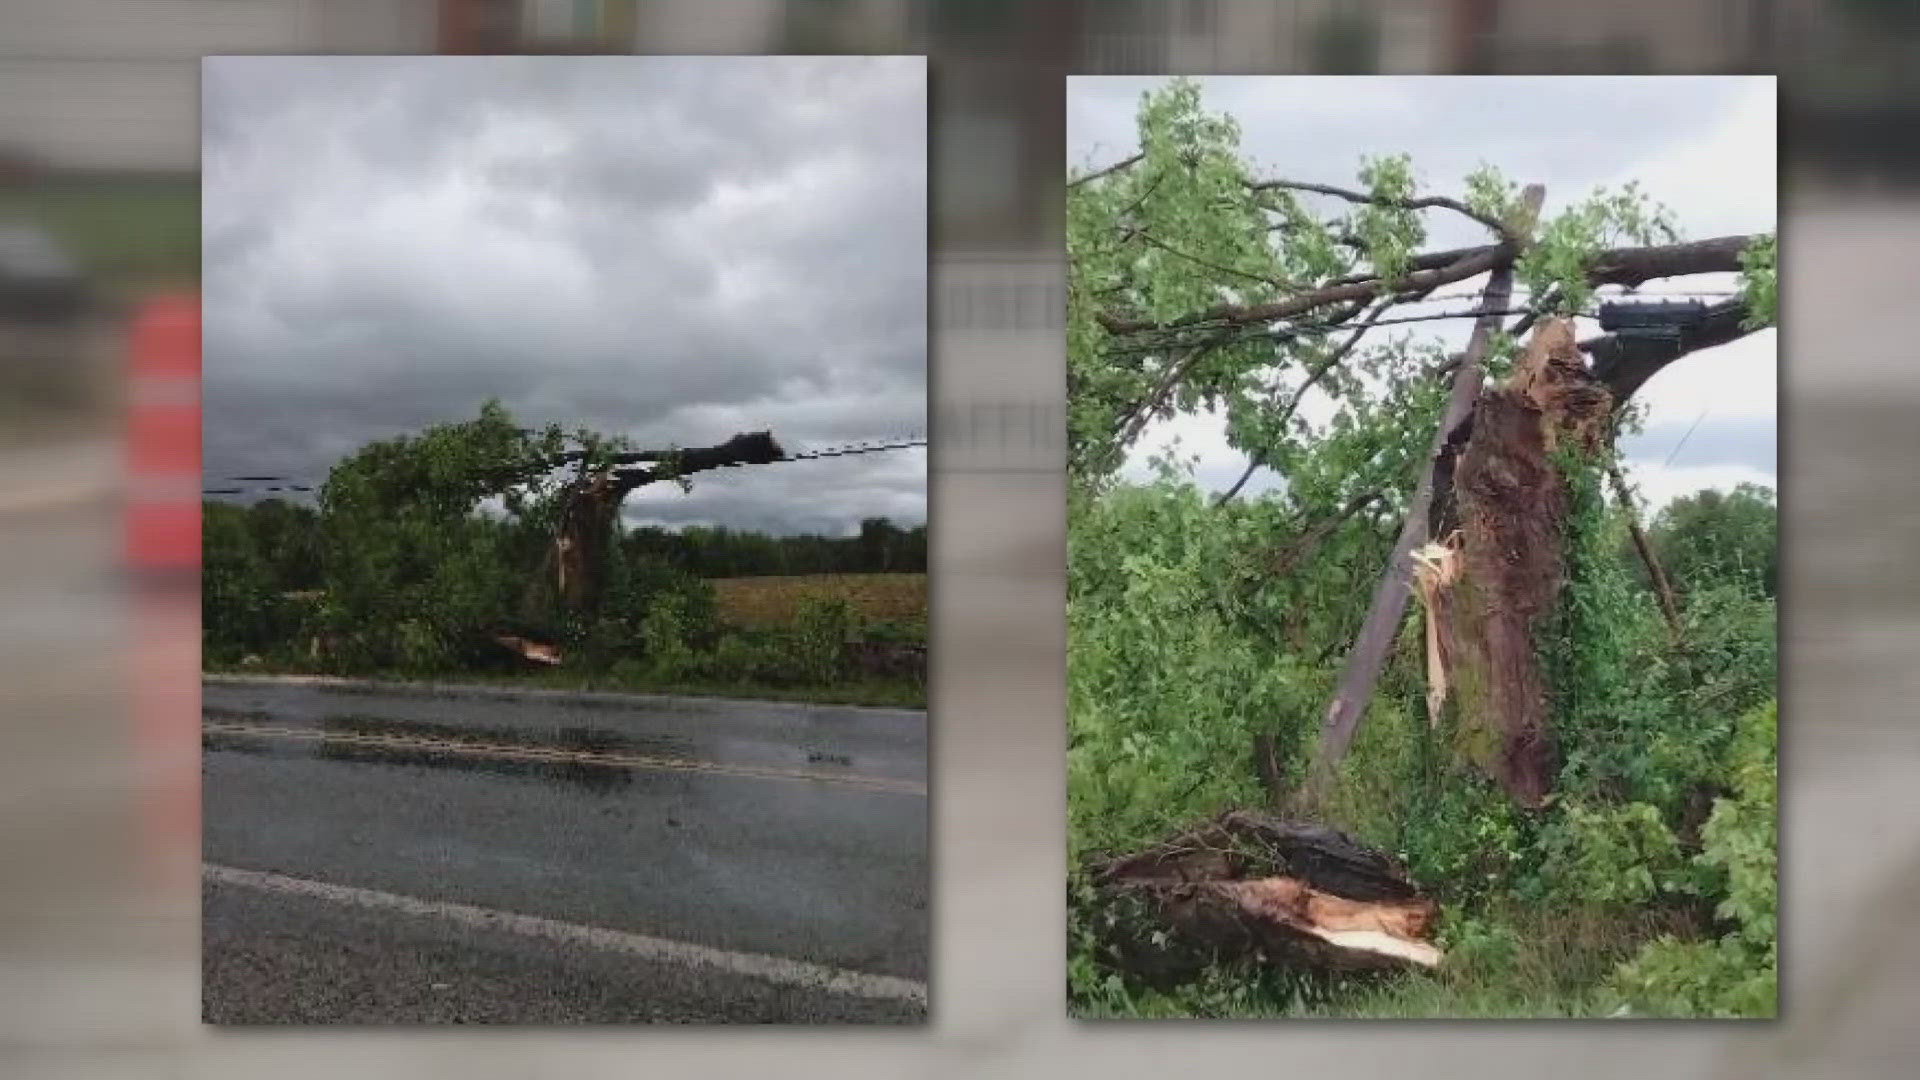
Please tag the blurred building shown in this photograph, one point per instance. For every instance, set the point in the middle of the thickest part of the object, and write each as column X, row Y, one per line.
column 1619, row 37
column 535, row 26
column 1246, row 36
column 114, row 85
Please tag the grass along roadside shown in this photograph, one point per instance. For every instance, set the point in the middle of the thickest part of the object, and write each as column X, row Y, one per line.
column 891, row 694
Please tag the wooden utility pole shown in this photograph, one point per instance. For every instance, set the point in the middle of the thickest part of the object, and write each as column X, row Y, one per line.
column 1661, row 586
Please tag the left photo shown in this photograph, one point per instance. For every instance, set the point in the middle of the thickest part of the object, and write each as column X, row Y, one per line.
column 564, row 522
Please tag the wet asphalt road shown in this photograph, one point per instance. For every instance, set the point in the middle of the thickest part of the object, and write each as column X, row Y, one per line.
column 792, row 832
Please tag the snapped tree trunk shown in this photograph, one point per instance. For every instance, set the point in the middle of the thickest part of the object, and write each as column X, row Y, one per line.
column 1507, row 502
column 575, row 570
column 1368, row 656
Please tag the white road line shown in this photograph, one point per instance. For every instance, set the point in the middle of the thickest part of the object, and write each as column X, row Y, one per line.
column 754, row 965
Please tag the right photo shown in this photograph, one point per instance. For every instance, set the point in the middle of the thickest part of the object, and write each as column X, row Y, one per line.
column 1422, row 547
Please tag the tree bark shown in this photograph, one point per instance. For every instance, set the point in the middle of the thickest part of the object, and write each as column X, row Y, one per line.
column 1511, row 509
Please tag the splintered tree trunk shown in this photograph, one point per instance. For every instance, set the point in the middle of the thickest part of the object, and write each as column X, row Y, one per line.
column 580, row 549
column 577, row 559
column 1507, row 499
column 1368, row 656
column 1249, row 886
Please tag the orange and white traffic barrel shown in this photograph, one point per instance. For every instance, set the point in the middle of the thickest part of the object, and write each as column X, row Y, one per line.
column 162, row 552
column 163, row 437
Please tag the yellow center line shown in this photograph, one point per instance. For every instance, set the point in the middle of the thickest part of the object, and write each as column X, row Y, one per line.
column 475, row 748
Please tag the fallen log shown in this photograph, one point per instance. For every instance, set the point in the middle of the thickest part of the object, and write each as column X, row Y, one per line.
column 538, row 652
column 1249, row 886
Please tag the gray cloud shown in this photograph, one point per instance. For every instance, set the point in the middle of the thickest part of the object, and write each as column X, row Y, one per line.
column 672, row 249
column 1565, row 132
column 1747, row 442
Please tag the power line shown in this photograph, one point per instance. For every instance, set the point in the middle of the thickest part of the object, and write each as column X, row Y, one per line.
column 855, row 448
column 281, row 483
column 1635, row 293
column 1684, row 438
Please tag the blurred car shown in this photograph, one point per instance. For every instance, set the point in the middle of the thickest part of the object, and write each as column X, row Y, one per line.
column 39, row 281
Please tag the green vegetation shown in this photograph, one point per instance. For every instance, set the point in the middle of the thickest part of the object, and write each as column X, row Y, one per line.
column 1729, row 537
column 399, row 573
column 1201, row 628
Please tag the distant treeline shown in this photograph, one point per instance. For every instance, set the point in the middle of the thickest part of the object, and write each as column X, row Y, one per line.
column 880, row 548
column 288, row 538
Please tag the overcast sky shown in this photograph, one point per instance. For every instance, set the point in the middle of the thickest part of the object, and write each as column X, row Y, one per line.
column 1703, row 146
column 671, row 249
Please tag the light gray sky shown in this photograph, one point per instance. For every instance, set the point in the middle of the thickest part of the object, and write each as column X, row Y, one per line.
column 1704, row 146
column 671, row 249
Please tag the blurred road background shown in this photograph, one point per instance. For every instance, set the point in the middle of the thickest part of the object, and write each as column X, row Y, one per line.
column 99, row 955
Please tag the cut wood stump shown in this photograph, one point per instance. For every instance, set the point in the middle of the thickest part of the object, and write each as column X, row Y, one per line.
column 1250, row 886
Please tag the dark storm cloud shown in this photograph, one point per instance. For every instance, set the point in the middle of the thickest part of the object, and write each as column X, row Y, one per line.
column 673, row 249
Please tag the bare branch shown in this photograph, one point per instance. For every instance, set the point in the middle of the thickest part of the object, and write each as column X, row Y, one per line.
column 1426, row 202
column 1661, row 586
column 1427, row 260
column 1241, row 314
column 1635, row 265
column 1615, row 266
column 1141, row 413
column 1108, row 171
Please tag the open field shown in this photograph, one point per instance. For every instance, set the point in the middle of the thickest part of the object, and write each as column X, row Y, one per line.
column 771, row 602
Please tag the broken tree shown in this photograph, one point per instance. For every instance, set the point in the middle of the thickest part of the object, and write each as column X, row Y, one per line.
column 1507, row 500
column 1500, row 478
column 1248, row 886
column 1198, row 289
column 576, row 559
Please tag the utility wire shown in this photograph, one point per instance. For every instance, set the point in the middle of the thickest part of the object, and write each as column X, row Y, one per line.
column 279, row 483
column 1287, row 333
column 1684, row 438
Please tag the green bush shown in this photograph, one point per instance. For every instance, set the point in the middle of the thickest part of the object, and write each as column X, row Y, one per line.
column 1619, row 854
column 1738, row 973
column 1165, row 689
column 822, row 629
